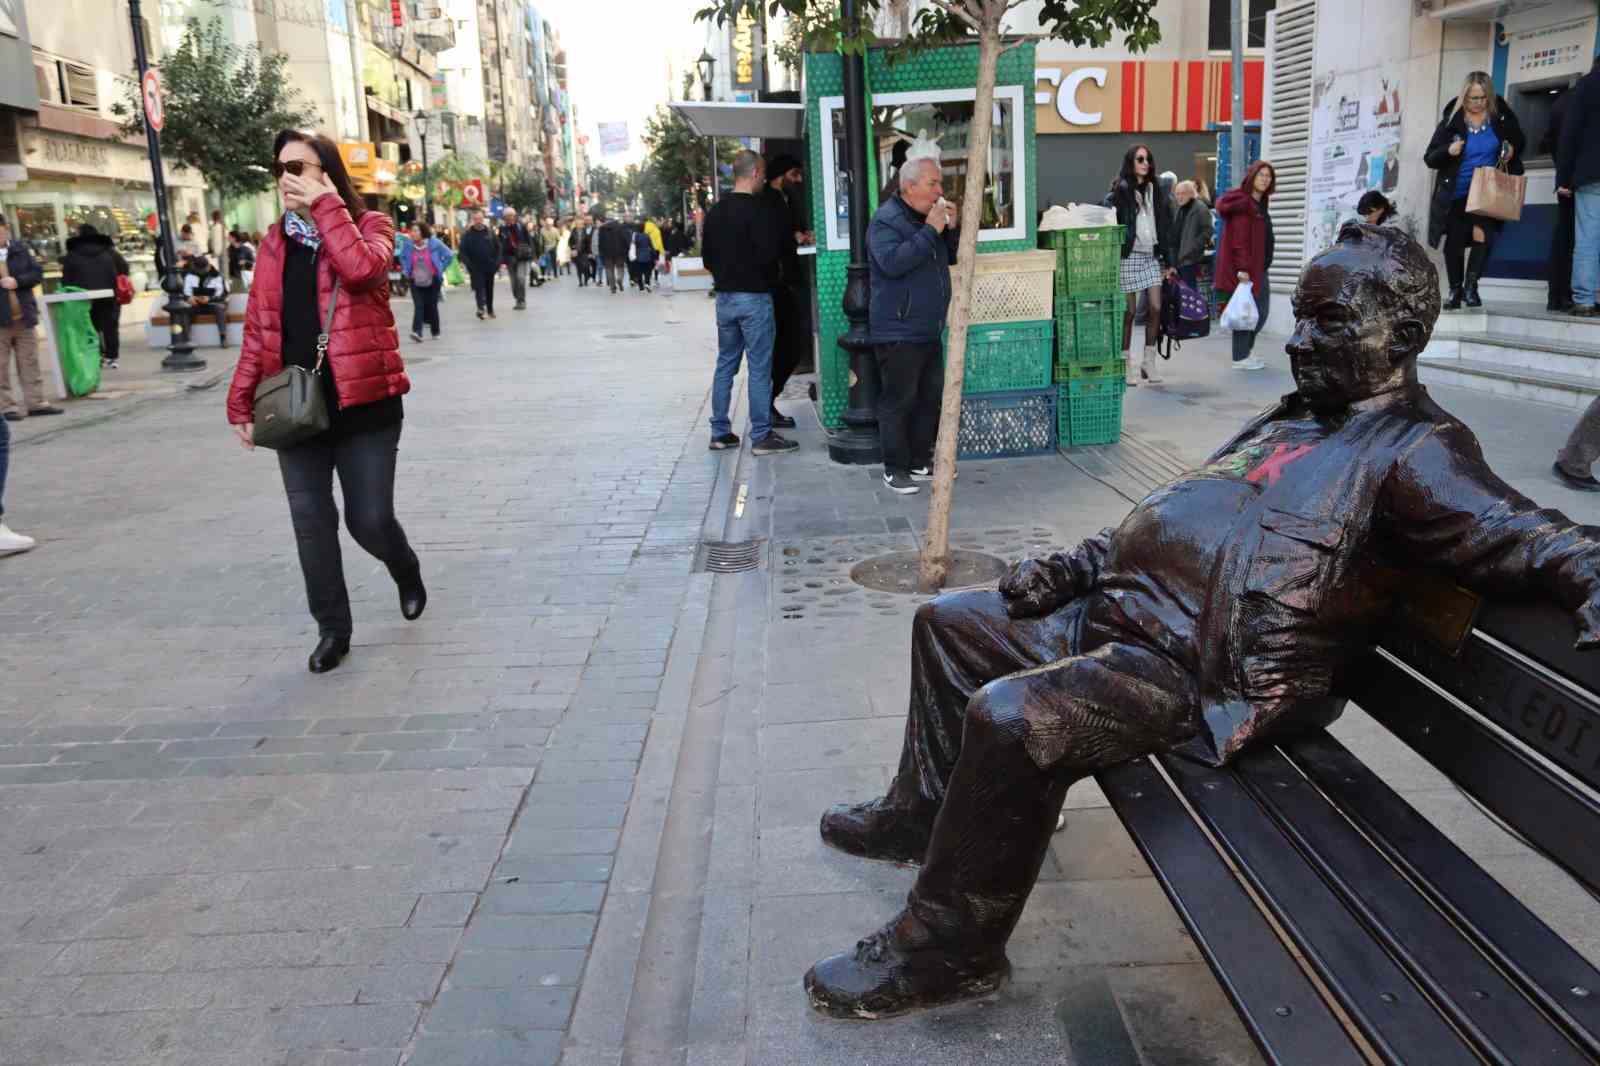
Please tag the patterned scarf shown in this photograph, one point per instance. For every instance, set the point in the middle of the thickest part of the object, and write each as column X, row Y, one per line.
column 302, row 230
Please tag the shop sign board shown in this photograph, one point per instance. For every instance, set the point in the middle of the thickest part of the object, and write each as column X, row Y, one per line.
column 1562, row 50
column 744, row 44
column 1156, row 96
column 1356, row 118
column 49, row 152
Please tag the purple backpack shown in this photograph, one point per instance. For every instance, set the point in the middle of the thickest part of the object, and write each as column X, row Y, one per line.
column 1184, row 315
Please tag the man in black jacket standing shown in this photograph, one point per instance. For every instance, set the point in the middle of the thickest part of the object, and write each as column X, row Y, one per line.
column 20, row 274
column 480, row 254
column 1578, row 177
column 613, row 241
column 741, row 249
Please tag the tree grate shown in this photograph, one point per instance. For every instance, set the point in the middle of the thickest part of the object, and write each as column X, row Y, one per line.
column 728, row 557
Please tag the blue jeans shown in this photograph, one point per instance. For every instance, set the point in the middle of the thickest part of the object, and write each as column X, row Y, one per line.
column 1586, row 244
column 745, row 326
column 5, row 460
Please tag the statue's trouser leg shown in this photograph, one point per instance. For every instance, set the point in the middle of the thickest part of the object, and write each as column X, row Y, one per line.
column 1027, row 738
column 960, row 642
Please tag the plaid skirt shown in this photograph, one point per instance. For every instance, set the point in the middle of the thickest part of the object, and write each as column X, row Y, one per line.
column 1139, row 271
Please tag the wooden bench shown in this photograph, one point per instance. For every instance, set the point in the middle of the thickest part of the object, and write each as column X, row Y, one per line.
column 1340, row 921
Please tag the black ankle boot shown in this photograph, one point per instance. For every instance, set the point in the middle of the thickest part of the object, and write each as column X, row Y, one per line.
column 1470, row 291
column 329, row 652
column 1454, row 302
column 413, row 596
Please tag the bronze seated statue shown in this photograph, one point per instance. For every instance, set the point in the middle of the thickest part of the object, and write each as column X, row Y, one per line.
column 1218, row 614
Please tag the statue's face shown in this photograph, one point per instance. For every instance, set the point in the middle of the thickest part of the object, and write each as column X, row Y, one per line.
column 1344, row 345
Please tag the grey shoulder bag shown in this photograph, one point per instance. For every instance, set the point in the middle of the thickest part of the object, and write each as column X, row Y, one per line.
column 291, row 405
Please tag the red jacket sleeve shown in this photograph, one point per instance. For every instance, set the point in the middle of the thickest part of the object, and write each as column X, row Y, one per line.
column 247, row 374
column 360, row 252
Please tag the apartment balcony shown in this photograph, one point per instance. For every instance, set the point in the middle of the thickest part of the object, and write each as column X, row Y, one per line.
column 434, row 34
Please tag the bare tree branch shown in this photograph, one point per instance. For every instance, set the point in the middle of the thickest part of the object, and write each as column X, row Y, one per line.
column 959, row 10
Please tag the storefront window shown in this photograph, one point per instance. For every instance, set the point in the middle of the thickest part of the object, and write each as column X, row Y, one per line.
column 35, row 225
column 900, row 120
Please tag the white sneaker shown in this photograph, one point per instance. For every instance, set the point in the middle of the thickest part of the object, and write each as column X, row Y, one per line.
column 1251, row 363
column 1149, row 367
column 13, row 543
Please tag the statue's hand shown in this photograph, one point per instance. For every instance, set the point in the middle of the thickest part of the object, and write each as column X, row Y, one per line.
column 1029, row 590
column 1589, row 624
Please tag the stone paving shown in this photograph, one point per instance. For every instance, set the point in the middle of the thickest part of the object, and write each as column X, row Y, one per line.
column 213, row 857
column 570, row 815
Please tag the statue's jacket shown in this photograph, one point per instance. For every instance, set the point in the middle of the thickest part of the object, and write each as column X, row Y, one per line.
column 1309, row 573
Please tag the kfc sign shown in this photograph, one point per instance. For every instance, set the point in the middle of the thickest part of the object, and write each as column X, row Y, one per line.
column 1065, row 97
column 1139, row 95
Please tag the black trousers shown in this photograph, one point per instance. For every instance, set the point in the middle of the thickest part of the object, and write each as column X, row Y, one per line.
column 1561, row 245
column 912, row 377
column 425, row 307
column 483, row 290
column 190, row 312
column 365, row 463
column 107, row 318
column 1005, row 715
column 791, row 339
column 614, row 274
column 1459, row 245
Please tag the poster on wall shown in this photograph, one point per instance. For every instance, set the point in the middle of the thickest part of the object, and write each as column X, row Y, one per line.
column 1355, row 146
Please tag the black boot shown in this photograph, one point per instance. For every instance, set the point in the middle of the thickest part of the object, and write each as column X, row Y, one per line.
column 879, row 830
column 1470, row 291
column 1454, row 302
column 329, row 652
column 413, row 596
column 902, row 967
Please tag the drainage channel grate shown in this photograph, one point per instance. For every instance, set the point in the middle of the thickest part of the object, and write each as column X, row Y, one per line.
column 728, row 557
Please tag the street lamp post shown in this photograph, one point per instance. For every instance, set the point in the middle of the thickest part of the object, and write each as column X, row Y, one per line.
column 708, row 66
column 420, row 122
column 858, row 442
column 180, row 353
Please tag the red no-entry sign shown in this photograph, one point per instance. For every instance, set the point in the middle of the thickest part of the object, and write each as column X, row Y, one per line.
column 153, row 108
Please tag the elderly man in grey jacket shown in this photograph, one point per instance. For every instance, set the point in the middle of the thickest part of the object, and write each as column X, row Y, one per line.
column 910, row 246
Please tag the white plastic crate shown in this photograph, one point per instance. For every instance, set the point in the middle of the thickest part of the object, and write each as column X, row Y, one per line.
column 1013, row 287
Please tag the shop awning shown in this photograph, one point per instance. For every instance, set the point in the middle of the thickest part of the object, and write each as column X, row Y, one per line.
column 784, row 122
column 1482, row 10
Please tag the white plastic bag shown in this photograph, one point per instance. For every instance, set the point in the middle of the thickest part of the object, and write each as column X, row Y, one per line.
column 1241, row 314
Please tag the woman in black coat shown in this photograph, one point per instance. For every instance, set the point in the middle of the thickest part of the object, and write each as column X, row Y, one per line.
column 1145, row 214
column 1479, row 129
column 93, row 262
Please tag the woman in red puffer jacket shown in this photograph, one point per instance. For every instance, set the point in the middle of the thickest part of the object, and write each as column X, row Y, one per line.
column 1246, row 252
column 327, row 233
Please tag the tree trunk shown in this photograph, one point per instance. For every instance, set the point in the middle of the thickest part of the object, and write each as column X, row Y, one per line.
column 935, row 562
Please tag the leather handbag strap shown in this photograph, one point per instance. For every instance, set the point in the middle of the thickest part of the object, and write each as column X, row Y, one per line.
column 327, row 325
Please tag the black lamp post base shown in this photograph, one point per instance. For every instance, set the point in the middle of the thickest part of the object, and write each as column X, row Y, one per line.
column 182, row 361
column 854, row 447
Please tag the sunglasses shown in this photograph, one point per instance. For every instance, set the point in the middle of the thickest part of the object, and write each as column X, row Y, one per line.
column 296, row 167
column 1141, row 159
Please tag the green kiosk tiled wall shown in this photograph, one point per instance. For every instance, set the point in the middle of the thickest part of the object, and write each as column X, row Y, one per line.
column 944, row 68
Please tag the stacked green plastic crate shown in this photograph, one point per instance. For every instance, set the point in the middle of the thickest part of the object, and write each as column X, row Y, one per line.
column 1090, row 373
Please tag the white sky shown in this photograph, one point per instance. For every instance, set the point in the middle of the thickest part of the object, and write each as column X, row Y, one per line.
column 617, row 57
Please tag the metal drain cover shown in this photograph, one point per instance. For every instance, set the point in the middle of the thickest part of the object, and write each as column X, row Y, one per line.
column 729, row 557
column 626, row 336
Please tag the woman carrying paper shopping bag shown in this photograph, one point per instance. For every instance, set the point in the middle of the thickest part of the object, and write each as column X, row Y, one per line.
column 1478, row 130
column 1246, row 252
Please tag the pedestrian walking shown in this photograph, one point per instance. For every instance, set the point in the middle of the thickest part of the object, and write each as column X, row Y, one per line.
column 549, row 237
column 480, row 254
column 1578, row 185
column 93, row 262
column 793, row 334
column 741, row 251
column 1479, row 129
column 564, row 251
column 1191, row 232
column 329, row 252
column 241, row 262
column 205, row 293
column 516, row 253
column 613, row 241
column 1558, row 268
column 911, row 243
column 1246, row 252
column 1145, row 215
column 11, row 542
column 643, row 264
column 423, row 260
column 584, row 251
column 20, row 274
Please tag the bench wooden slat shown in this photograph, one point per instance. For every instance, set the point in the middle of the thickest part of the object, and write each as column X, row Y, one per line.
column 1557, row 818
column 1403, row 1028
column 1279, row 1006
column 1481, row 1002
column 1540, row 961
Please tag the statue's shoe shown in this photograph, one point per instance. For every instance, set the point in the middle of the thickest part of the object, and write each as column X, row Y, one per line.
column 898, row 969
column 879, row 830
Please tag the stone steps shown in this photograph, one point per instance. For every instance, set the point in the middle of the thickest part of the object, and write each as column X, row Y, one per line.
column 1516, row 350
